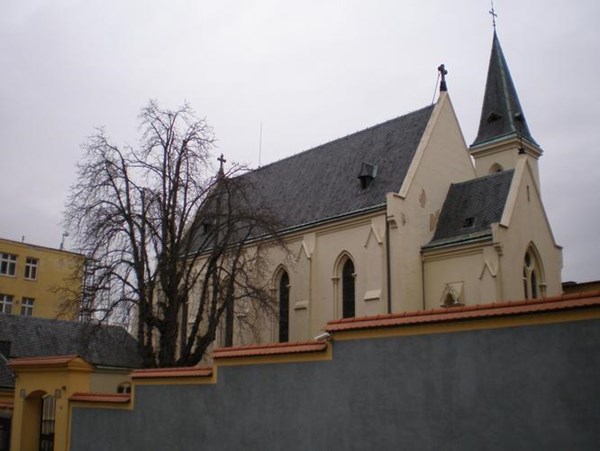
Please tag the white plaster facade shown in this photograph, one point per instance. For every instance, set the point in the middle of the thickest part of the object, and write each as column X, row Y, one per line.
column 397, row 267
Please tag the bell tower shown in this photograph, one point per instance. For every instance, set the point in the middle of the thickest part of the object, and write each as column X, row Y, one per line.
column 503, row 137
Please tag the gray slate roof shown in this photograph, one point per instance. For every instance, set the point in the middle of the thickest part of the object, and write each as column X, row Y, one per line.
column 322, row 182
column 97, row 344
column 6, row 377
column 501, row 114
column 482, row 199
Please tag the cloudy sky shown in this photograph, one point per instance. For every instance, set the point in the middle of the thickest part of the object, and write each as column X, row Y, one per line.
column 310, row 71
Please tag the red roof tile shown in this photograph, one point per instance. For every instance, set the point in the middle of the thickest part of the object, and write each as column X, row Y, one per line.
column 46, row 360
column 6, row 405
column 118, row 398
column 270, row 349
column 506, row 308
column 194, row 371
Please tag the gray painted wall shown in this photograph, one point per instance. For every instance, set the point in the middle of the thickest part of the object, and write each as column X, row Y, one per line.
column 532, row 387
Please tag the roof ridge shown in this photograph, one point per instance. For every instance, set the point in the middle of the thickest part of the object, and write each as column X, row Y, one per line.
column 372, row 127
column 485, row 177
column 62, row 321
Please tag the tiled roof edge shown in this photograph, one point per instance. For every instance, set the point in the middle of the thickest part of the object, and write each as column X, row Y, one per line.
column 507, row 308
column 204, row 371
column 40, row 360
column 7, row 405
column 116, row 398
column 270, row 349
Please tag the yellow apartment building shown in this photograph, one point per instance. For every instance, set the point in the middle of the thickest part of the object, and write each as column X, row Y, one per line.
column 35, row 280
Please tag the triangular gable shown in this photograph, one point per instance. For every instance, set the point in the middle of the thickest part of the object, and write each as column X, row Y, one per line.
column 373, row 234
column 522, row 170
column 443, row 102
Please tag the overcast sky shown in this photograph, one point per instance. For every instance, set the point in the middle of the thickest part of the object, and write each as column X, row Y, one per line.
column 309, row 71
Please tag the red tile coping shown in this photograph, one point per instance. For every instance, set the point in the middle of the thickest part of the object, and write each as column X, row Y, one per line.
column 6, row 405
column 507, row 308
column 194, row 371
column 270, row 349
column 45, row 360
column 116, row 398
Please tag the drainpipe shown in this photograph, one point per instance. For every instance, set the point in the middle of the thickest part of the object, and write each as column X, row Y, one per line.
column 387, row 264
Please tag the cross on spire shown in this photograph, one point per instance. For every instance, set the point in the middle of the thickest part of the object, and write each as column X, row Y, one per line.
column 494, row 15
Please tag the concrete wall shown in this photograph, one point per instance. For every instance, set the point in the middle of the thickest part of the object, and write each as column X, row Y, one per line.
column 530, row 387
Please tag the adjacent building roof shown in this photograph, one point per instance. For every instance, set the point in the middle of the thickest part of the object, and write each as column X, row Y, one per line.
column 323, row 182
column 501, row 114
column 97, row 344
column 6, row 376
column 471, row 208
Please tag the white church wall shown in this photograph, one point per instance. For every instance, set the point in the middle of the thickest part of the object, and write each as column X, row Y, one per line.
column 523, row 224
column 442, row 158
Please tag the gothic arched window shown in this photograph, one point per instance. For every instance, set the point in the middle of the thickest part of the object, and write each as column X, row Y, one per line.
column 532, row 276
column 348, row 290
column 284, row 306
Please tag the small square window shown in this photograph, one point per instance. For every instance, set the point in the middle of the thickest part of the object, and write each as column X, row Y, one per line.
column 31, row 266
column 8, row 264
column 27, row 306
column 6, row 301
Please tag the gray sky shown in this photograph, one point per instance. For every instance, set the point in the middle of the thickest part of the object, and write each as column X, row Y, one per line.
column 310, row 71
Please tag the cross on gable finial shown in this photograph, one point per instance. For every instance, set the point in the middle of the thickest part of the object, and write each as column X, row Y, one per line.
column 494, row 15
column 443, row 72
column 221, row 160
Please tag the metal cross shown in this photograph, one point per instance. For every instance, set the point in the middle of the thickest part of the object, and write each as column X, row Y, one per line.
column 222, row 160
column 494, row 15
column 443, row 72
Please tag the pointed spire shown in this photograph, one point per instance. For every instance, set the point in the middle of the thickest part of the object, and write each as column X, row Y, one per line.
column 501, row 114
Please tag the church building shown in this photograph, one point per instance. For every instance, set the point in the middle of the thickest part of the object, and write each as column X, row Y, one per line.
column 404, row 216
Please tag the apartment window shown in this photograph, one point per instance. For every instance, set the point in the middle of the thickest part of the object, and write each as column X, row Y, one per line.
column 27, row 306
column 6, row 301
column 31, row 265
column 8, row 264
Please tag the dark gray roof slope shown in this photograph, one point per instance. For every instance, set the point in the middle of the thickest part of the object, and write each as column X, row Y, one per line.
column 501, row 114
column 6, row 376
column 97, row 344
column 471, row 207
column 322, row 182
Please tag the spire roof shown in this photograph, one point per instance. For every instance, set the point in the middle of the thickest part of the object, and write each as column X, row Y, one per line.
column 501, row 114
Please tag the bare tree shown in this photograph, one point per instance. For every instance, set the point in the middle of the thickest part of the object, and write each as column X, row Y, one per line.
column 170, row 247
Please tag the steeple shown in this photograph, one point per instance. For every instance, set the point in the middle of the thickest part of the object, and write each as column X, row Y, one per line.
column 501, row 114
column 504, row 137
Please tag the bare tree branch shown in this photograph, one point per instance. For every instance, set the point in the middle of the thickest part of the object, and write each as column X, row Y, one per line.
column 167, row 242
